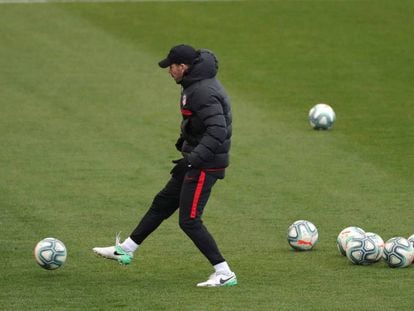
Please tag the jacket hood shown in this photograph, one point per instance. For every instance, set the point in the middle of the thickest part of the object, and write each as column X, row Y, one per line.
column 205, row 67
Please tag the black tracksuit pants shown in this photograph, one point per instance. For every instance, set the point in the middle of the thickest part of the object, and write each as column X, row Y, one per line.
column 188, row 192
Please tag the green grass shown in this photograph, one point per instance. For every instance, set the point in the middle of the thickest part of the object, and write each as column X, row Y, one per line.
column 87, row 130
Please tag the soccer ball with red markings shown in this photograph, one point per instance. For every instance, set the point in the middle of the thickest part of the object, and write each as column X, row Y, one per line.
column 302, row 235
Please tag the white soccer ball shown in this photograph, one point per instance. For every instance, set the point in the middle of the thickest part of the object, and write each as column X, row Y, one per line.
column 302, row 235
column 50, row 253
column 345, row 235
column 362, row 250
column 379, row 241
column 411, row 239
column 398, row 252
column 322, row 117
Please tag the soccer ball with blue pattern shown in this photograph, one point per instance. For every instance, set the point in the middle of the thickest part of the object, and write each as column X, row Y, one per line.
column 379, row 241
column 411, row 240
column 322, row 117
column 363, row 250
column 345, row 235
column 50, row 253
column 302, row 235
column 398, row 252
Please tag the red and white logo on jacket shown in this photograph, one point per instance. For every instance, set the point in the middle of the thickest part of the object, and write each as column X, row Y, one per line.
column 184, row 100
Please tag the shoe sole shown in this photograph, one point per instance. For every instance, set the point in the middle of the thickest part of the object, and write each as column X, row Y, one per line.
column 229, row 283
column 120, row 261
column 102, row 256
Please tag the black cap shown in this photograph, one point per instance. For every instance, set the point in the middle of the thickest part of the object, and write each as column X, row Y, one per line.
column 180, row 54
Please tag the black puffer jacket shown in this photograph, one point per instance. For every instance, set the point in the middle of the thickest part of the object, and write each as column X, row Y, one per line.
column 205, row 107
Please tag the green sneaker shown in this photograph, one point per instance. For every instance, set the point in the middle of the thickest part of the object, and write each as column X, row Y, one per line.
column 123, row 257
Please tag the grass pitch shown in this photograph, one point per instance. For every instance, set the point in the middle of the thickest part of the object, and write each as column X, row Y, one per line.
column 87, row 130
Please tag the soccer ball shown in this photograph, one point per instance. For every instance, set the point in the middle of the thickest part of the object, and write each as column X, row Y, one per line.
column 362, row 250
column 302, row 235
column 345, row 235
column 322, row 117
column 398, row 252
column 379, row 241
column 50, row 253
column 411, row 239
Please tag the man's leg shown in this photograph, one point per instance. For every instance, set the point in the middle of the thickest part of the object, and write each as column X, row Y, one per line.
column 163, row 206
column 195, row 193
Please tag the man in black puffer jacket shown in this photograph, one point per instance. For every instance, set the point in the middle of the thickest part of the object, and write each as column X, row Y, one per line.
column 204, row 143
column 206, row 126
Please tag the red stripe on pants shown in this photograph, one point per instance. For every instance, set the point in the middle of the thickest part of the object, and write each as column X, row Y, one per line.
column 197, row 194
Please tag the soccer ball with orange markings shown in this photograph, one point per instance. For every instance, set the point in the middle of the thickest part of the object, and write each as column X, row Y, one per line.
column 302, row 235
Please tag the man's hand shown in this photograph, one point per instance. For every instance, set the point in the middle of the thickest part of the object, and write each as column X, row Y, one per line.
column 181, row 166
